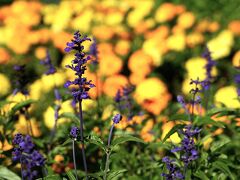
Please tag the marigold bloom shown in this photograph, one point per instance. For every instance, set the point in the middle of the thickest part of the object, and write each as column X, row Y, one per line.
column 234, row 26
column 113, row 83
column 5, row 85
column 236, row 59
column 140, row 61
column 165, row 12
column 152, row 95
column 4, row 56
column 186, row 20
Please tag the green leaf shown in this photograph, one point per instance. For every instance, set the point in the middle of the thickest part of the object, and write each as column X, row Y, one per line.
column 96, row 140
column 188, row 174
column 115, row 174
column 218, row 144
column 125, row 138
column 71, row 116
column 201, row 175
column 223, row 167
column 52, row 177
column 172, row 131
column 66, row 142
column 177, row 117
column 206, row 120
column 70, row 175
column 4, row 102
column 7, row 174
column 20, row 105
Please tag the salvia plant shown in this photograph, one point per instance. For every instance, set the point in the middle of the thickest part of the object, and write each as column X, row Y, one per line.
column 110, row 139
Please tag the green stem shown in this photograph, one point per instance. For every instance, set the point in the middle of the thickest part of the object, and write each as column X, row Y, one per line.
column 74, row 159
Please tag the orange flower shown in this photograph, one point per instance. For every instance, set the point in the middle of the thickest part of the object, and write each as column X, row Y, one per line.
column 140, row 61
column 4, row 56
column 202, row 26
column 40, row 52
column 186, row 20
column 146, row 134
column 136, row 78
column 102, row 32
column 122, row 47
column 152, row 95
column 194, row 39
column 165, row 12
column 61, row 42
column 110, row 64
column 234, row 26
column 160, row 33
column 236, row 59
column 113, row 83
column 213, row 27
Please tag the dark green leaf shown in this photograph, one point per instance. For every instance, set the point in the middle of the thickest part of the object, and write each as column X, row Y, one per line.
column 223, row 167
column 7, row 174
column 52, row 177
column 201, row 175
column 96, row 140
column 20, row 105
column 125, row 138
column 206, row 120
column 177, row 117
column 115, row 174
column 70, row 175
column 218, row 144
column 71, row 116
column 172, row 131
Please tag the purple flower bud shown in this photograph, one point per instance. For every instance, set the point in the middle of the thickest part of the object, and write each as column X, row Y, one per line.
column 74, row 132
column 117, row 118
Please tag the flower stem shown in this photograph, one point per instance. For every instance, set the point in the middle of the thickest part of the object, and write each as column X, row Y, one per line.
column 82, row 137
column 74, row 159
column 108, row 153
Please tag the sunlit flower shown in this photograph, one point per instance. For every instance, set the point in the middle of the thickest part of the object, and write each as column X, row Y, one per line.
column 228, row 96
column 234, row 26
column 176, row 42
column 186, row 20
column 5, row 85
column 4, row 56
column 165, row 12
column 236, row 59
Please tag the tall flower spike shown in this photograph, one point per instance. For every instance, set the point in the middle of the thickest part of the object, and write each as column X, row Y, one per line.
column 237, row 81
column 48, row 63
column 94, row 52
column 79, row 66
column 209, row 66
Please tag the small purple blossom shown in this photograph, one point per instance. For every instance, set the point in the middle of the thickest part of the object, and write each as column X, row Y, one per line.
column 48, row 63
column 117, row 118
column 74, row 133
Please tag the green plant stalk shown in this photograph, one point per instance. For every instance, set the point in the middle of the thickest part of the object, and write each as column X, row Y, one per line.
column 74, row 159
column 108, row 153
column 82, row 137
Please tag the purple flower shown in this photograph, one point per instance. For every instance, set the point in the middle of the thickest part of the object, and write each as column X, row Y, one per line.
column 48, row 63
column 94, row 52
column 117, row 118
column 188, row 149
column 237, row 81
column 79, row 66
column 210, row 64
column 124, row 101
column 25, row 153
column 74, row 133
column 174, row 172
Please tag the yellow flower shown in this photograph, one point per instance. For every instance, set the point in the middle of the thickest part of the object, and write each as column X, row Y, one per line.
column 141, row 9
column 5, row 85
column 236, row 59
column 83, row 21
column 152, row 95
column 23, row 126
column 48, row 115
column 221, row 45
column 195, row 68
column 186, row 20
column 176, row 42
column 165, row 12
column 228, row 96
column 166, row 128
